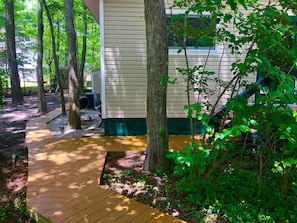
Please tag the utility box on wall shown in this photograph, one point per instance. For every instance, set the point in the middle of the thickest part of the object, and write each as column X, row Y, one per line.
column 96, row 81
column 94, row 99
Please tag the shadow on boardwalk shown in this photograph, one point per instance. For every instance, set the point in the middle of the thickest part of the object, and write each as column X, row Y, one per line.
column 64, row 176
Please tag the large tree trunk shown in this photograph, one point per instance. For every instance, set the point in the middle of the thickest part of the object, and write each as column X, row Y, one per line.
column 74, row 121
column 55, row 57
column 157, row 66
column 42, row 106
column 83, row 54
column 16, row 92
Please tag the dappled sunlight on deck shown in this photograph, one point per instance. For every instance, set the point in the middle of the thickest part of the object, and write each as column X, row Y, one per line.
column 64, row 178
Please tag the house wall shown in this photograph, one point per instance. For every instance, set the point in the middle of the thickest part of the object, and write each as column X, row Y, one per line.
column 125, row 59
column 125, row 63
column 125, row 71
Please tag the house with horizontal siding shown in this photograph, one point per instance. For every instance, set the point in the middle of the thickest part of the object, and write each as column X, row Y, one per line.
column 123, row 69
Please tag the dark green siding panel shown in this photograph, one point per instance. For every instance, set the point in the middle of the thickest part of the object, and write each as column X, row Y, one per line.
column 125, row 127
column 137, row 126
column 181, row 126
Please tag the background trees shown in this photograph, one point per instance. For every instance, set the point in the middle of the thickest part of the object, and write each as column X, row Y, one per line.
column 55, row 58
column 26, row 40
column 74, row 88
column 16, row 93
column 42, row 106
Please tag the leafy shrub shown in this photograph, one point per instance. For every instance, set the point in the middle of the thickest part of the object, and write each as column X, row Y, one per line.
column 252, row 179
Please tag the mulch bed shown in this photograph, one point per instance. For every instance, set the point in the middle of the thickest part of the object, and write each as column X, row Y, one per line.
column 123, row 173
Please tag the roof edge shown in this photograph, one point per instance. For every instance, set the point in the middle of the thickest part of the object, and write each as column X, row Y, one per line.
column 93, row 7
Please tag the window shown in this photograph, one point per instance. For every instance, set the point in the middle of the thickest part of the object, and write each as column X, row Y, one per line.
column 196, row 32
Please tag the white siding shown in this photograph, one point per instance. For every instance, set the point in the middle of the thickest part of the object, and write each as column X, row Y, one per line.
column 96, row 81
column 125, row 59
column 125, row 63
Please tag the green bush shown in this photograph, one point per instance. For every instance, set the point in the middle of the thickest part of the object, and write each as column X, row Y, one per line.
column 253, row 179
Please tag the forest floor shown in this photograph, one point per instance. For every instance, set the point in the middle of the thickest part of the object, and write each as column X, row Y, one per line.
column 13, row 175
column 122, row 173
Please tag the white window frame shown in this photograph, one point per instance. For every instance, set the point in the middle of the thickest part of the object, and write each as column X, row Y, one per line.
column 192, row 50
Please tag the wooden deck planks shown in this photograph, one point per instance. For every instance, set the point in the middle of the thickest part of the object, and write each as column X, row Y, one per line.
column 64, row 176
column 99, row 209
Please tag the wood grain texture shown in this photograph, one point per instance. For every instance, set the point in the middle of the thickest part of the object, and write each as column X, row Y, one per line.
column 64, row 177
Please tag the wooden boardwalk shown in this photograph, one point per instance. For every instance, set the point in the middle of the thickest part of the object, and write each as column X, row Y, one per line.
column 64, row 176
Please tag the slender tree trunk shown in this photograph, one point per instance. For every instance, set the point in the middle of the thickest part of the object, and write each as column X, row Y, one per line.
column 51, row 75
column 74, row 121
column 56, row 63
column 157, row 66
column 83, row 54
column 42, row 106
column 16, row 92
column 57, row 45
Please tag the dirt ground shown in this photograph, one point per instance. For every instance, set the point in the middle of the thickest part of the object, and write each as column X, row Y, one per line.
column 14, row 156
column 123, row 173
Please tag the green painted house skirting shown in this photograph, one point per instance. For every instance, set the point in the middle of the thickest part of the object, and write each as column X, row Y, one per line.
column 137, row 126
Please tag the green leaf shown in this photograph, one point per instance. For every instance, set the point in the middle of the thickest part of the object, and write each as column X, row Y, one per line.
column 208, row 128
column 236, row 132
column 295, row 115
column 232, row 4
column 188, row 163
column 186, row 107
column 180, row 159
column 227, row 131
column 244, row 128
column 197, row 107
column 219, row 135
column 199, row 116
column 279, row 169
column 166, row 80
column 190, row 111
column 289, row 162
column 253, row 122
column 283, row 137
column 273, row 94
column 242, row 2
column 227, row 17
column 289, row 129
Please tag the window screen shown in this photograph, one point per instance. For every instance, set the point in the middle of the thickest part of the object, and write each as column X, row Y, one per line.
column 192, row 30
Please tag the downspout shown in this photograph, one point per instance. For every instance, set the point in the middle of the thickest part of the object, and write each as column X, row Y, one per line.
column 102, row 59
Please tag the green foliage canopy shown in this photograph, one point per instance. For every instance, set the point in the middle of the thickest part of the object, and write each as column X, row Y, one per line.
column 243, row 180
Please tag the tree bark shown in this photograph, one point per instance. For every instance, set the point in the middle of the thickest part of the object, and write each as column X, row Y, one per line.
column 74, row 121
column 42, row 106
column 83, row 54
column 157, row 66
column 55, row 57
column 16, row 92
